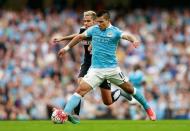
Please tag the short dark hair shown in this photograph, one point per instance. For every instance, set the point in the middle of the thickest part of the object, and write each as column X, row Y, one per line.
column 137, row 67
column 104, row 13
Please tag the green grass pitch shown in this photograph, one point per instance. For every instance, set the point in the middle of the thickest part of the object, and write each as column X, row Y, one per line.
column 97, row 125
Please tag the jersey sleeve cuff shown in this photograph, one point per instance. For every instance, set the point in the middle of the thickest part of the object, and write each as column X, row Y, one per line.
column 122, row 34
column 85, row 34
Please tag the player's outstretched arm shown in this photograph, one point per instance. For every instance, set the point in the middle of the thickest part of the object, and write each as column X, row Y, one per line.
column 57, row 38
column 131, row 38
column 72, row 43
column 69, row 37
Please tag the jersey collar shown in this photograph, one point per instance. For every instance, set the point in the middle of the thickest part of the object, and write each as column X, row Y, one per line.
column 109, row 26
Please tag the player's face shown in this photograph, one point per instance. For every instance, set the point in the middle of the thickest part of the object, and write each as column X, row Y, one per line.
column 88, row 21
column 102, row 22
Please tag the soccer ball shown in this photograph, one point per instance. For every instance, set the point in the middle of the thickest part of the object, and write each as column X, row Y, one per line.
column 59, row 116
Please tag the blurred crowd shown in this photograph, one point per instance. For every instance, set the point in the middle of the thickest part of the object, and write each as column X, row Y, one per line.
column 33, row 79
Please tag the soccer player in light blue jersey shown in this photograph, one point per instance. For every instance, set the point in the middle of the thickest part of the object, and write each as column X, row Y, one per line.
column 105, row 39
column 108, row 96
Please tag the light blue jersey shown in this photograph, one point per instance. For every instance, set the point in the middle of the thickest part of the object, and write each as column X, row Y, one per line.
column 104, row 46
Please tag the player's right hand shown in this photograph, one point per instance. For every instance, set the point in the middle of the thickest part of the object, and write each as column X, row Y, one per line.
column 135, row 44
column 55, row 39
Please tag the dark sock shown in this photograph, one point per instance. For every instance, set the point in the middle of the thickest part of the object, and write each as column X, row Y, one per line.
column 77, row 108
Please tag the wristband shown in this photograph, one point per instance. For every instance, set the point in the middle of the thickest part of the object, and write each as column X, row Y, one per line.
column 66, row 48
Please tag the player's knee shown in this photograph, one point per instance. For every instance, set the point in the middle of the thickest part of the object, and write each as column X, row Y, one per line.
column 130, row 87
column 79, row 80
column 127, row 86
column 107, row 103
column 80, row 91
column 83, row 88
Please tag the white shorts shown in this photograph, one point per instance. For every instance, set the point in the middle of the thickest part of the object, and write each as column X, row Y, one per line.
column 95, row 76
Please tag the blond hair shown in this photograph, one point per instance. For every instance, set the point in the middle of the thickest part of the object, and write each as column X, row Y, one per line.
column 90, row 13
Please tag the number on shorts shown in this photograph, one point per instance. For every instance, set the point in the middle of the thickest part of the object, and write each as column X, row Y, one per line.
column 122, row 75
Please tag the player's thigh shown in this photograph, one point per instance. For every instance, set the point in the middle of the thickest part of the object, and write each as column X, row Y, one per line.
column 122, row 81
column 79, row 80
column 127, row 87
column 118, row 78
column 106, row 96
column 105, row 89
column 105, row 85
column 93, row 78
column 83, row 88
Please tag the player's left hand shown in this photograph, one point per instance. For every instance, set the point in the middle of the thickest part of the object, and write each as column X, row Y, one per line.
column 61, row 52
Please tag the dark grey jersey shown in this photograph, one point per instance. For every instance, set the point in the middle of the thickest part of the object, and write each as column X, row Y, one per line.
column 87, row 53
